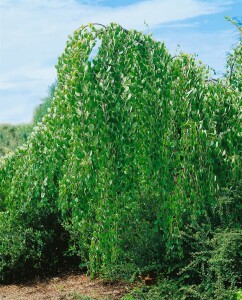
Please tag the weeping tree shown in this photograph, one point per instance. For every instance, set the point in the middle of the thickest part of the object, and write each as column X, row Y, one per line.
column 137, row 147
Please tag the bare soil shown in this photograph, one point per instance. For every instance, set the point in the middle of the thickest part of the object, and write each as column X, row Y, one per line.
column 66, row 287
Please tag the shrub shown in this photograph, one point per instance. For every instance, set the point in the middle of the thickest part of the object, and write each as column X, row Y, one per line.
column 215, row 265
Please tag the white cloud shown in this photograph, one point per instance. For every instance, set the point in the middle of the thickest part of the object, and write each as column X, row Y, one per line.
column 33, row 33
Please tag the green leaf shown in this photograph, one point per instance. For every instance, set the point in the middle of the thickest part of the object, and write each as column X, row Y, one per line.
column 91, row 127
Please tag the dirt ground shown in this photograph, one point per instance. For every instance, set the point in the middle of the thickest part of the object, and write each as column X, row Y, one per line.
column 66, row 287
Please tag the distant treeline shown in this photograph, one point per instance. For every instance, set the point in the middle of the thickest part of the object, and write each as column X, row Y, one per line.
column 13, row 136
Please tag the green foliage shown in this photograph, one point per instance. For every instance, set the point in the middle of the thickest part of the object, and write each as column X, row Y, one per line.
column 238, row 295
column 213, row 269
column 215, row 264
column 31, row 247
column 136, row 146
column 234, row 60
column 165, row 290
column 13, row 136
column 42, row 109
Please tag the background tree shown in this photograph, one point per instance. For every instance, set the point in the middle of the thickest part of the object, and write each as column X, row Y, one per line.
column 13, row 136
column 42, row 109
column 234, row 60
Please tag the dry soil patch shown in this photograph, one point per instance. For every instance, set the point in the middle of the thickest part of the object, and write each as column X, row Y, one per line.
column 65, row 288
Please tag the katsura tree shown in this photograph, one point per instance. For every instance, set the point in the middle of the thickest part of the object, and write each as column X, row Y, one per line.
column 137, row 149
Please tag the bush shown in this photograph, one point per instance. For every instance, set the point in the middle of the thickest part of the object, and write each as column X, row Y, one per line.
column 166, row 290
column 215, row 265
column 32, row 242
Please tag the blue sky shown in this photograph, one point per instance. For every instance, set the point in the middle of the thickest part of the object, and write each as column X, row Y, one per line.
column 33, row 34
